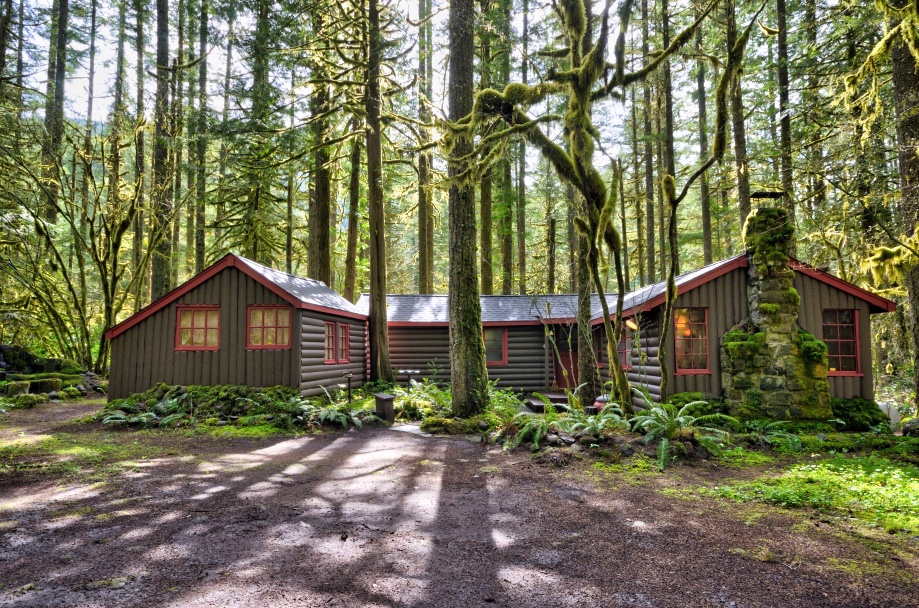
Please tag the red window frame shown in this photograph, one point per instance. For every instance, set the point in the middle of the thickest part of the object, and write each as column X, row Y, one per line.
column 206, row 327
column 331, row 345
column 838, row 341
column 344, row 343
column 249, row 328
column 503, row 338
column 683, row 337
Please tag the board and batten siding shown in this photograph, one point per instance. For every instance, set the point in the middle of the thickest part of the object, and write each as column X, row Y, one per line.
column 726, row 300
column 817, row 296
column 427, row 349
column 314, row 372
column 145, row 354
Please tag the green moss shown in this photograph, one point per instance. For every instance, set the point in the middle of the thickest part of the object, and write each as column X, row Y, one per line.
column 770, row 309
column 741, row 344
column 29, row 400
column 15, row 388
column 444, row 426
column 858, row 414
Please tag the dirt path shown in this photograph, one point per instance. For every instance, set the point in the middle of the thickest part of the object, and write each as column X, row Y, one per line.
column 383, row 518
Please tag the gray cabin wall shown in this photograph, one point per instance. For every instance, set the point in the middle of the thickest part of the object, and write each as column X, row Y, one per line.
column 726, row 300
column 816, row 296
column 314, row 372
column 145, row 354
column 427, row 349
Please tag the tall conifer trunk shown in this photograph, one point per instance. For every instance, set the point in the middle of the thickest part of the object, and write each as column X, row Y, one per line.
column 650, row 235
column 162, row 207
column 140, row 177
column 380, row 368
column 738, row 127
column 704, row 197
column 785, row 114
column 201, row 141
column 467, row 349
column 425, row 157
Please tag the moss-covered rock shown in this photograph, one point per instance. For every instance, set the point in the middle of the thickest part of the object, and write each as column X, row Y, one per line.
column 17, row 387
column 47, row 385
column 858, row 414
column 444, row 426
column 29, row 400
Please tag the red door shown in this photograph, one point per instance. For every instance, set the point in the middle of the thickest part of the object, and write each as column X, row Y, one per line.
column 570, row 362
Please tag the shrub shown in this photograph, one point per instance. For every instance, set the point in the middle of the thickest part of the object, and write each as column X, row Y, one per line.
column 16, row 388
column 858, row 414
column 29, row 400
column 71, row 392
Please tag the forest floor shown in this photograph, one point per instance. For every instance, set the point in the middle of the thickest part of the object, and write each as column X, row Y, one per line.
column 91, row 516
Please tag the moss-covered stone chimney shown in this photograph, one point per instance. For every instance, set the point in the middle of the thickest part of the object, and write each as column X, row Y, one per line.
column 770, row 367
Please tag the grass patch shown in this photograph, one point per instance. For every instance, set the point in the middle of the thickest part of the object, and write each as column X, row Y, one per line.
column 872, row 489
column 257, row 431
column 740, row 457
column 67, row 454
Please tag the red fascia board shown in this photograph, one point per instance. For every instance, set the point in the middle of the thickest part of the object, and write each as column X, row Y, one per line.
column 739, row 262
column 228, row 261
column 882, row 304
column 534, row 322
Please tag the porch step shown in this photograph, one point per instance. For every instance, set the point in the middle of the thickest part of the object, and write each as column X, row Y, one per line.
column 555, row 397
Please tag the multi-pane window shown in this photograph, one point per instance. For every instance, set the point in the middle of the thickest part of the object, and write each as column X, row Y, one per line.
column 495, row 346
column 330, row 343
column 344, row 343
column 691, row 340
column 841, row 338
column 197, row 328
column 268, row 327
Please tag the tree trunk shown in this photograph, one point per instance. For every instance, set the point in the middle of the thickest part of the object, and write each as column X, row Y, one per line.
column 88, row 134
column 639, row 196
column 178, row 141
column 379, row 340
column 203, row 110
column 737, row 125
column 162, row 207
column 140, row 179
column 906, row 90
column 506, row 230
column 54, row 109
column 572, row 240
column 704, row 197
column 319, row 259
column 224, row 119
column 425, row 157
column 6, row 21
column 469, row 376
column 117, row 116
column 587, row 363
column 354, row 201
column 486, row 207
column 785, row 114
column 650, row 236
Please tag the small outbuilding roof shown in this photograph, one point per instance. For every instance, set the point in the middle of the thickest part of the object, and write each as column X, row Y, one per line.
column 413, row 309
column 300, row 292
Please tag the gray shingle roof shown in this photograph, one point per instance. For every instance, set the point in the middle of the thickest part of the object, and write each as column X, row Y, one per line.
column 308, row 291
column 410, row 308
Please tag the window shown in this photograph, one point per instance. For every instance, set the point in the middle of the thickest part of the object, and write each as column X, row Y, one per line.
column 344, row 343
column 691, row 340
column 625, row 349
column 840, row 333
column 330, row 343
column 268, row 327
column 495, row 346
column 197, row 328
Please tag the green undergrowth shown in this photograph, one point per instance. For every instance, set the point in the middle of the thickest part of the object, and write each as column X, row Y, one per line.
column 218, row 407
column 872, row 489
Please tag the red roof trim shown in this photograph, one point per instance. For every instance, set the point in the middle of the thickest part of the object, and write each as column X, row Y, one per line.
column 738, row 262
column 883, row 304
column 228, row 261
column 534, row 322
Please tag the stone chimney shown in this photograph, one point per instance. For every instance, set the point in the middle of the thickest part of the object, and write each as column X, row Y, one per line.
column 770, row 367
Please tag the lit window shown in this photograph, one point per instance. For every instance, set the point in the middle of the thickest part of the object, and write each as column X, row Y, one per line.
column 691, row 333
column 197, row 328
column 344, row 343
column 268, row 327
column 330, row 343
column 841, row 338
column 495, row 346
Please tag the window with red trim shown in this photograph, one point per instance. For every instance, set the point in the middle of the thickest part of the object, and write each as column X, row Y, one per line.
column 268, row 327
column 840, row 333
column 495, row 345
column 344, row 343
column 691, row 340
column 197, row 328
column 330, row 343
